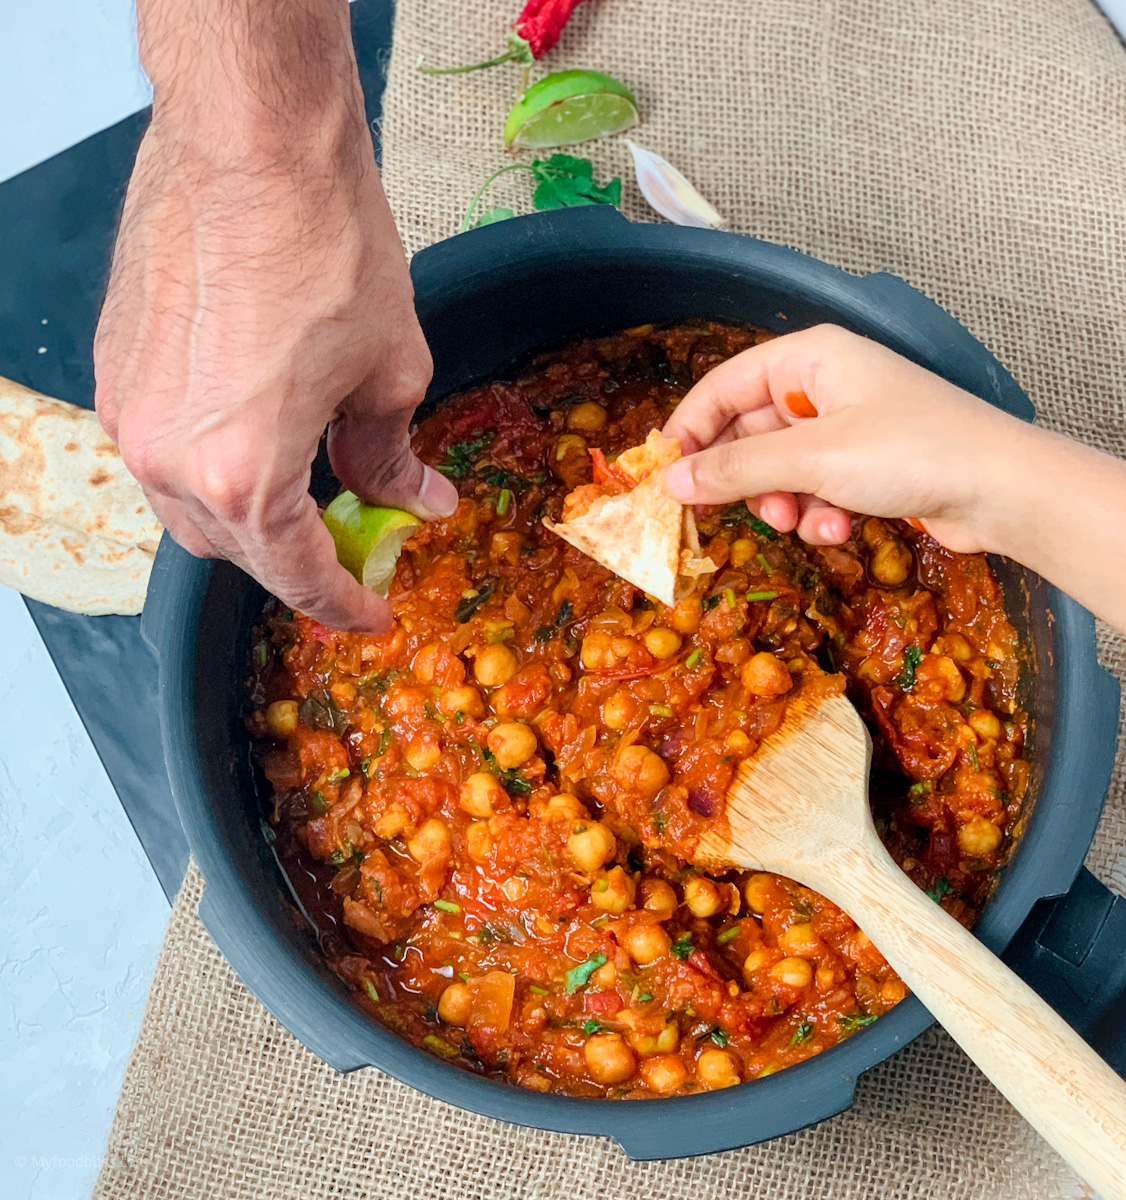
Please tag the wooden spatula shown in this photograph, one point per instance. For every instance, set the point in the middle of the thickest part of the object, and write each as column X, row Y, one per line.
column 799, row 807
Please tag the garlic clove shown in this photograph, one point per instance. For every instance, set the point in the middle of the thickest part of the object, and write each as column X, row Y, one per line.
column 669, row 192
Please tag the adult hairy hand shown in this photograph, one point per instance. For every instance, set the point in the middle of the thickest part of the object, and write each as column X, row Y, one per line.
column 259, row 293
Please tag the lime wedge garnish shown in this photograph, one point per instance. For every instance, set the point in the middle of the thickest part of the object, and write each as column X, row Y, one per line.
column 569, row 107
column 368, row 539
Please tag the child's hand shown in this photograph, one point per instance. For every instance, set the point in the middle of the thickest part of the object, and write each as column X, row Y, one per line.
column 813, row 425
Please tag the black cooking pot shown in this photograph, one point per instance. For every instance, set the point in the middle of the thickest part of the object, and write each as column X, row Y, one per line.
column 488, row 300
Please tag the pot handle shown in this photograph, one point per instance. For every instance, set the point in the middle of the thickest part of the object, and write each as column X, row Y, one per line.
column 979, row 372
column 1072, row 950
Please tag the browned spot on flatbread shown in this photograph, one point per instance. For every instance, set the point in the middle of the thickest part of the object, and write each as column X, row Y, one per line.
column 15, row 521
column 100, row 476
column 71, row 447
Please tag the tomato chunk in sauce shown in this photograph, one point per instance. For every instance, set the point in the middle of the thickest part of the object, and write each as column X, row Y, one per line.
column 490, row 810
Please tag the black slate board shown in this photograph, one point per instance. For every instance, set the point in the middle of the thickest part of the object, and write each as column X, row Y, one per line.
column 57, row 226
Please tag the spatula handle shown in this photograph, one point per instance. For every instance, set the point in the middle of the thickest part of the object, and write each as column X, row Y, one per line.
column 1037, row 1061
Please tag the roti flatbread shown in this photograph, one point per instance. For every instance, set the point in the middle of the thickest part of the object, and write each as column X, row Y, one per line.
column 628, row 522
column 75, row 528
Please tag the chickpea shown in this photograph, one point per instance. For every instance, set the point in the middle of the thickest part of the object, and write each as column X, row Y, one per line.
column 943, row 671
column 391, row 823
column 612, row 891
column 800, row 941
column 702, row 896
column 718, row 1069
column 891, row 563
column 742, row 551
column 985, row 724
column 664, row 1074
column 587, row 417
column 505, row 547
column 565, row 806
column 281, row 717
column 646, row 943
column 686, row 616
column 765, row 675
column 979, row 837
column 617, row 709
column 466, row 699
column 494, row 665
column 479, row 841
column 757, row 890
column 455, row 1004
column 641, row 771
column 756, row 961
column 658, row 897
column 622, row 647
column 590, row 845
column 597, row 651
column 661, row 642
column 957, row 647
column 737, row 743
column 609, row 1059
column 570, row 461
column 430, row 842
column 423, row 754
column 650, row 1043
column 893, row 991
column 793, row 972
column 482, row 795
column 512, row 744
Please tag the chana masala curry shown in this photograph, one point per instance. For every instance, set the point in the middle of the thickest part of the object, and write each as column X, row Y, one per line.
column 489, row 812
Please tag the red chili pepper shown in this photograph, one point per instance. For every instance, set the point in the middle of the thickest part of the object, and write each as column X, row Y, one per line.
column 534, row 32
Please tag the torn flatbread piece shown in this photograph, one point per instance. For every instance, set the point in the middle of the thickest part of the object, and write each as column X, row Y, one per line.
column 75, row 528
column 627, row 521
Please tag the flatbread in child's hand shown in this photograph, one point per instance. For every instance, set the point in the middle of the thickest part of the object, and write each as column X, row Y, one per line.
column 75, row 528
column 627, row 521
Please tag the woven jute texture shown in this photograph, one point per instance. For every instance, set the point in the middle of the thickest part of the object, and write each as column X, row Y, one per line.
column 975, row 147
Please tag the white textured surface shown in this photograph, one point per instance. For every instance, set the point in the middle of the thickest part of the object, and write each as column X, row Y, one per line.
column 81, row 919
column 67, row 69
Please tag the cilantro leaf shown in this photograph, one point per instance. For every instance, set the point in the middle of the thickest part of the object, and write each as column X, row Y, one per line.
column 461, row 456
column 492, row 215
column 579, row 975
column 563, row 181
column 759, row 526
column 802, row 1034
column 852, row 1021
column 683, row 947
column 939, row 889
column 912, row 656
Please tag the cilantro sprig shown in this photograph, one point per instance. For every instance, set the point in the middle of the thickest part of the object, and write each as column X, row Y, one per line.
column 561, row 181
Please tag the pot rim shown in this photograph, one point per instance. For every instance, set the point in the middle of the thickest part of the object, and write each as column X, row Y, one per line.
column 323, row 1019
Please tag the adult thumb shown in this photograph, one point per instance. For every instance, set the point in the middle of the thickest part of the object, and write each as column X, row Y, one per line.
column 371, row 454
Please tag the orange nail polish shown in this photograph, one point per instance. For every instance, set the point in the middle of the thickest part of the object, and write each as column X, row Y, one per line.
column 915, row 523
column 798, row 403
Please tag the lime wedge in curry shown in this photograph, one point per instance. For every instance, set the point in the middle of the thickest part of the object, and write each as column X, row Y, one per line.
column 569, row 107
column 368, row 538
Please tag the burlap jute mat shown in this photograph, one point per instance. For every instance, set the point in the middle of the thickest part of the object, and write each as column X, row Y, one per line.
column 975, row 147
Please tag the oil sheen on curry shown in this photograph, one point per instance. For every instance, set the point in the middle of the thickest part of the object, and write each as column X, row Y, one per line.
column 489, row 811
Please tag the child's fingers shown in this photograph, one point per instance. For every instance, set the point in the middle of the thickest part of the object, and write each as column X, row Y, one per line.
column 778, row 377
column 821, row 523
column 731, row 390
column 775, row 462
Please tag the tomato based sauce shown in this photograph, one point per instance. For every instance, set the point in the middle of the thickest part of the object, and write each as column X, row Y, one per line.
column 489, row 812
